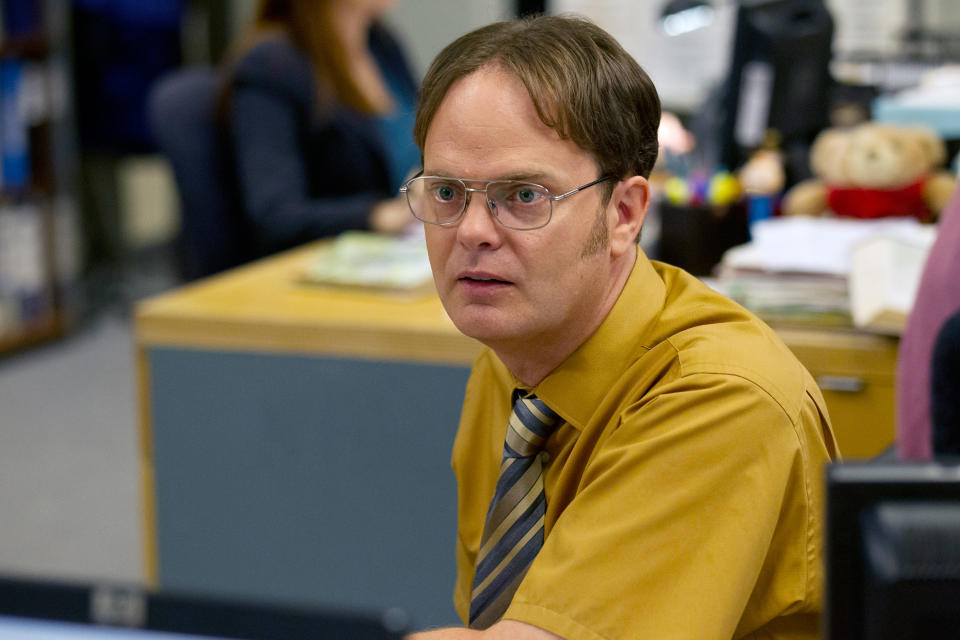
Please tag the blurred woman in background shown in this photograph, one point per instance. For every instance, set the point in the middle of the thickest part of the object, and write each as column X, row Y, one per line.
column 319, row 108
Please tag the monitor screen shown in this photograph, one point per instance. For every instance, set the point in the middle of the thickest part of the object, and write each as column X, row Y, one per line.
column 779, row 81
column 32, row 609
column 12, row 628
column 892, row 540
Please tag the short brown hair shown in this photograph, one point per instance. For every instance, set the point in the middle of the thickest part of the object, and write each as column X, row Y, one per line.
column 581, row 81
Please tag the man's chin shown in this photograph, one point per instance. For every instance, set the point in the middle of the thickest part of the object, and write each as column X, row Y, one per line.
column 487, row 326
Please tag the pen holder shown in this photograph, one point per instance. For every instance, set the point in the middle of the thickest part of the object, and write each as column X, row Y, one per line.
column 694, row 237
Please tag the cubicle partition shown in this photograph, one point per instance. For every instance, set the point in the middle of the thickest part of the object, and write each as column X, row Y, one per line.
column 296, row 442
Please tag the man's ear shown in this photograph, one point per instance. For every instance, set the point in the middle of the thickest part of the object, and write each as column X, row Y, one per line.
column 629, row 201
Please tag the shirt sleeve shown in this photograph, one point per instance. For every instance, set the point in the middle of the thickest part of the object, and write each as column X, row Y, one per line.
column 270, row 103
column 695, row 507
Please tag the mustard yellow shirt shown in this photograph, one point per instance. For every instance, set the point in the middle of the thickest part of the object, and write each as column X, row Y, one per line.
column 684, row 495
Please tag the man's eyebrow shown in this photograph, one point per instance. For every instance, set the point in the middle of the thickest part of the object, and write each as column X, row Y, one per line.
column 525, row 176
column 516, row 176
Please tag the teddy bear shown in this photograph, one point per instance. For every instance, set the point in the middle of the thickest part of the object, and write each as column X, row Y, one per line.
column 874, row 170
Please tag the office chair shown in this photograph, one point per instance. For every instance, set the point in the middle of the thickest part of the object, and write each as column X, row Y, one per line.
column 945, row 389
column 182, row 115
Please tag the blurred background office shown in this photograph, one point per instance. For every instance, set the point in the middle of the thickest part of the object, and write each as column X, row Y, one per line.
column 90, row 223
column 310, row 134
column 92, row 215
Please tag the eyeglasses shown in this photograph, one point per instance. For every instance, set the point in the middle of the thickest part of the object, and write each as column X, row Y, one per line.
column 516, row 205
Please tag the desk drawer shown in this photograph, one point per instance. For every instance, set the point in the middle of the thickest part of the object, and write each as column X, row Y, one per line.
column 856, row 372
column 863, row 417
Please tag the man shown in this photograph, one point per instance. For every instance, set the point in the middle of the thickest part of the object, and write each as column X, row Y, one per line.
column 659, row 475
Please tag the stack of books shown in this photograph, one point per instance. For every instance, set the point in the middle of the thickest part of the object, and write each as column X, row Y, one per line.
column 828, row 271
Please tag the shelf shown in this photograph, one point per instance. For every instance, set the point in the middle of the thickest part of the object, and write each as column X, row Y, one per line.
column 37, row 240
column 48, row 328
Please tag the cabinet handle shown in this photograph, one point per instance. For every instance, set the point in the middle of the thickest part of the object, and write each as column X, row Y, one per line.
column 846, row 384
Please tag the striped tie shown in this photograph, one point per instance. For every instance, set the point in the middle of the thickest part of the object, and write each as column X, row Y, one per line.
column 513, row 532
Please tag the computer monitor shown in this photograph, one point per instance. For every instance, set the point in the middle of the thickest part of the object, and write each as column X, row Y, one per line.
column 32, row 609
column 779, row 80
column 892, row 537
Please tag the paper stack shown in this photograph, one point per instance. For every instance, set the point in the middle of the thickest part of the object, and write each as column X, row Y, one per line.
column 884, row 276
column 364, row 260
column 802, row 269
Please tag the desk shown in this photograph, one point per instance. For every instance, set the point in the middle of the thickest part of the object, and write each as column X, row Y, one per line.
column 855, row 371
column 261, row 400
column 257, row 422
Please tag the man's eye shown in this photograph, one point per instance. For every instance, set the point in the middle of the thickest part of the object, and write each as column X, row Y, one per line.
column 524, row 195
column 445, row 192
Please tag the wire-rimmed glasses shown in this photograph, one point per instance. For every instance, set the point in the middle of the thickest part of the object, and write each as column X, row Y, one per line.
column 515, row 204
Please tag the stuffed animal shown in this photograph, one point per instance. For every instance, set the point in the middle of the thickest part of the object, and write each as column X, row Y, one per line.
column 874, row 170
column 763, row 173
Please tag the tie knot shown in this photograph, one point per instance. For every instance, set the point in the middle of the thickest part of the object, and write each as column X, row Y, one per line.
column 530, row 424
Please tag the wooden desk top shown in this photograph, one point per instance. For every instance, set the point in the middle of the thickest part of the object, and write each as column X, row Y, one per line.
column 263, row 307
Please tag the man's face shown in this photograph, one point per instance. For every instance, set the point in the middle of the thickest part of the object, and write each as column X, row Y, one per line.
column 516, row 290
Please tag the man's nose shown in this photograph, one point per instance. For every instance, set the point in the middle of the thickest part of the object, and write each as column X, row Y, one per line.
column 477, row 225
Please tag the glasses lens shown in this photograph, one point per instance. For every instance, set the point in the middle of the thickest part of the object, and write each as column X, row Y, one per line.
column 520, row 205
column 436, row 200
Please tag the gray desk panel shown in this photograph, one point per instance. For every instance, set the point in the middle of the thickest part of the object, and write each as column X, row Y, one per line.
column 307, row 479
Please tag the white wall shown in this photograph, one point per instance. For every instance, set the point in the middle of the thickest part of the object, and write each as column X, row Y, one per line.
column 867, row 26
column 875, row 26
column 683, row 67
column 423, row 26
column 426, row 26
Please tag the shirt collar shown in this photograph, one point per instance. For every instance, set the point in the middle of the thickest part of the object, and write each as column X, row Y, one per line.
column 579, row 383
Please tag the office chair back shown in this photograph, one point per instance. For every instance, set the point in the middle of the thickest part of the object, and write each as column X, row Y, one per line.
column 945, row 389
column 182, row 113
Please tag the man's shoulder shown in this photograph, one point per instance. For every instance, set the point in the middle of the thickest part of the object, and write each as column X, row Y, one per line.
column 746, row 349
column 708, row 333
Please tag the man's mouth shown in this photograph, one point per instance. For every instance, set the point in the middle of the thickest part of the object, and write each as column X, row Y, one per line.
column 484, row 280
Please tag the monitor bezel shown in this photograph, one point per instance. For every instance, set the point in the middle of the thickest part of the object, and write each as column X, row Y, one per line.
column 136, row 607
column 851, row 488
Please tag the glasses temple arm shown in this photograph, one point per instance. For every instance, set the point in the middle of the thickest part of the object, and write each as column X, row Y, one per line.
column 581, row 188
